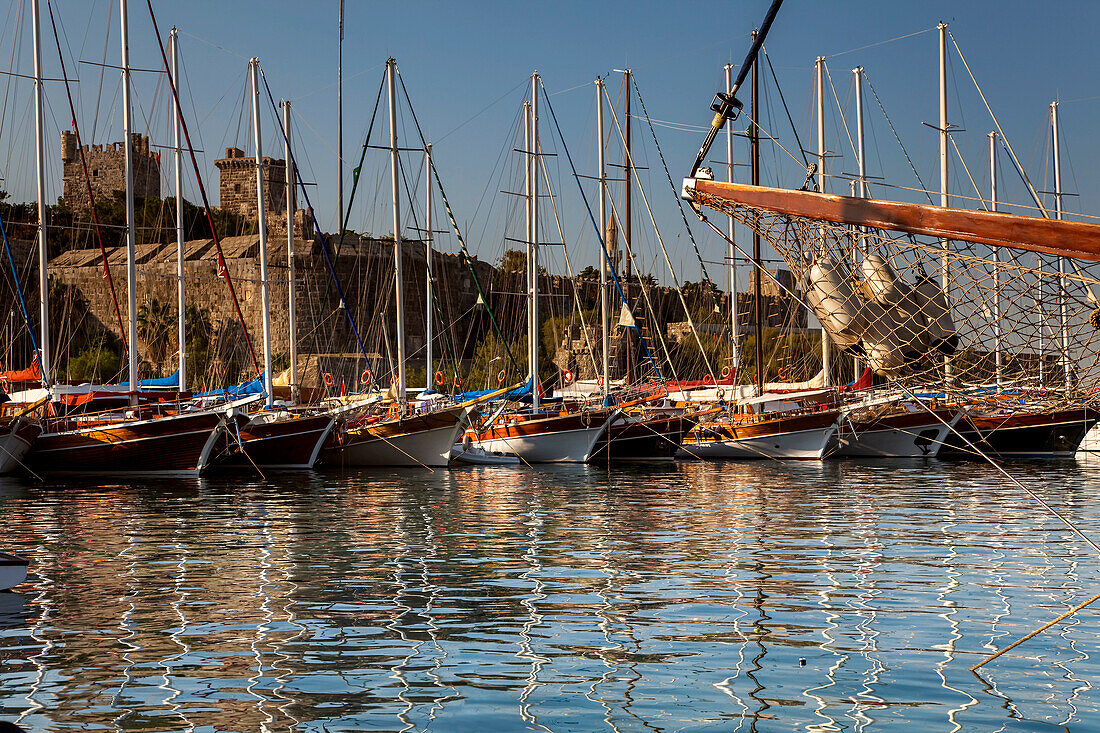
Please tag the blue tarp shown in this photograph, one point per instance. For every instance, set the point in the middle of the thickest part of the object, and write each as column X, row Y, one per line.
column 256, row 386
column 172, row 380
column 516, row 394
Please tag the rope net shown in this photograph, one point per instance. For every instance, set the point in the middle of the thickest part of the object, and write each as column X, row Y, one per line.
column 937, row 316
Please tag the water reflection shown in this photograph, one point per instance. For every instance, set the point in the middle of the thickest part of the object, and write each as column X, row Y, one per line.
column 656, row 598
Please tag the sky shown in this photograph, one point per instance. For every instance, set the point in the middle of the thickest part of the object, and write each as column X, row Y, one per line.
column 466, row 66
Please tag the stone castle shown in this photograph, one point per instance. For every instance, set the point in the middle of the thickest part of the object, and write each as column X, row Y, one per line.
column 105, row 169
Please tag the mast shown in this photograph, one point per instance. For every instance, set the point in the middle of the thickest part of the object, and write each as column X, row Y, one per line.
column 399, row 273
column 128, row 157
column 731, row 251
column 860, row 143
column 340, row 123
column 1063, row 316
column 533, row 258
column 429, row 310
column 945, row 201
column 261, row 224
column 40, row 166
column 291, row 205
column 754, row 145
column 605, row 264
column 819, row 84
column 998, row 357
column 628, row 249
column 181, row 303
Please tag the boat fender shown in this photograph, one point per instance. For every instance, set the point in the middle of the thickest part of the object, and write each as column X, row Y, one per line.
column 835, row 304
column 886, row 287
column 941, row 326
column 467, row 441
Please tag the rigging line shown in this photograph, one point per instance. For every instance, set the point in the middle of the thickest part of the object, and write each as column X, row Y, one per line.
column 469, row 260
column 223, row 270
column 200, row 39
column 568, row 265
column 599, row 231
column 19, row 290
column 881, row 43
column 88, row 182
column 481, row 112
column 668, row 176
column 783, row 99
column 358, row 169
column 967, row 169
column 1004, row 139
column 896, row 137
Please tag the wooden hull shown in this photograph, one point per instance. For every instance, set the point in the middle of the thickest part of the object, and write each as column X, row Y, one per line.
column 421, row 440
column 798, row 437
column 902, row 435
column 555, row 438
column 1041, row 434
column 643, row 439
column 177, row 444
column 289, row 443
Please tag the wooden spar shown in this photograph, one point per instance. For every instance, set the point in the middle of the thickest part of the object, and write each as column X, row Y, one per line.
column 1049, row 236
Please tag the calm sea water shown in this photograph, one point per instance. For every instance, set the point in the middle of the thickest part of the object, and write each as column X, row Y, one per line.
column 699, row 596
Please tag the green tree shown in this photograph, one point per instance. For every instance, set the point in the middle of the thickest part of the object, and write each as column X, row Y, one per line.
column 154, row 326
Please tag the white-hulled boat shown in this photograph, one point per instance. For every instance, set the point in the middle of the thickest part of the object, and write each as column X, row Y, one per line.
column 893, row 429
column 13, row 570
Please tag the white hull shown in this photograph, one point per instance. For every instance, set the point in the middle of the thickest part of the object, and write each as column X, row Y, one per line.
column 922, row 441
column 1091, row 442
column 564, row 446
column 13, row 450
column 13, row 570
column 430, row 448
column 477, row 456
column 806, row 445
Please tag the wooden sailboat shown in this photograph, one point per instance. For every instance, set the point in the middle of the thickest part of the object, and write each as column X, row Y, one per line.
column 893, row 428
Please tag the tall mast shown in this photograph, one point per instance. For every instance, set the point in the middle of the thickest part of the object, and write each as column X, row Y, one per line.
column 628, row 249
column 429, row 310
column 40, row 163
column 998, row 357
column 181, row 302
column 605, row 264
column 861, row 148
column 945, row 201
column 340, row 124
column 1063, row 316
column 128, row 158
column 261, row 224
column 399, row 273
column 819, row 84
column 754, row 144
column 291, row 205
column 533, row 259
column 731, row 251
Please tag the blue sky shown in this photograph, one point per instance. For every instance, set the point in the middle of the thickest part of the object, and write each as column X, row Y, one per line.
column 458, row 58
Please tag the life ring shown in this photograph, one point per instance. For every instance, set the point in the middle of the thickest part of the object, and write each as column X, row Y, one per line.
column 726, row 371
column 783, row 373
column 720, row 394
column 329, row 381
column 567, row 377
column 599, row 381
column 366, row 377
column 586, row 419
column 712, row 379
column 439, row 377
column 458, row 382
column 501, row 375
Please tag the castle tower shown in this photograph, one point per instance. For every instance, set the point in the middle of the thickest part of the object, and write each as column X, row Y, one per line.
column 238, row 184
column 106, row 168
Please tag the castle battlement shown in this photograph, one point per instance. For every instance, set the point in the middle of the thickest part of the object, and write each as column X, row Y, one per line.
column 106, row 169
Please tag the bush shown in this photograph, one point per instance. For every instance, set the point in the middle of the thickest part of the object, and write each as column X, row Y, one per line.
column 96, row 364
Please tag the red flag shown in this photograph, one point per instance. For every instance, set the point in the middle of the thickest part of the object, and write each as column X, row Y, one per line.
column 106, row 271
column 343, row 387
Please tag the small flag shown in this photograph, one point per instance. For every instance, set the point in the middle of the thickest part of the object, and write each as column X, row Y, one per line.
column 106, row 271
column 626, row 318
column 222, row 272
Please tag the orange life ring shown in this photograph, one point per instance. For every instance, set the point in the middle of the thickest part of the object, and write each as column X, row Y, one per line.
column 567, row 376
column 439, row 377
column 783, row 374
column 501, row 375
column 599, row 381
column 458, row 382
column 720, row 394
column 726, row 371
column 366, row 377
column 712, row 379
column 329, row 381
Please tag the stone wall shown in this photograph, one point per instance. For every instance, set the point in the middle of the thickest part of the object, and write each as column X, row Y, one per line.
column 106, row 169
column 238, row 184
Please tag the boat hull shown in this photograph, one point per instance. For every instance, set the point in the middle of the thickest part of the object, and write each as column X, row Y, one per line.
column 286, row 444
column 654, row 439
column 173, row 445
column 801, row 437
column 905, row 435
column 569, row 438
column 421, row 440
column 16, row 444
column 13, row 570
column 1047, row 434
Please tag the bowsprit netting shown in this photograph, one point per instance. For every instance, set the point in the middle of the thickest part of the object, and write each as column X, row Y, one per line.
column 936, row 317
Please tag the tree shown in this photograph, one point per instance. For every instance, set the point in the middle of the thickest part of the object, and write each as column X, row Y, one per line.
column 154, row 324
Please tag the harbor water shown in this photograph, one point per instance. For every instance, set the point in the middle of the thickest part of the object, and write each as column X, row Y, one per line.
column 756, row 596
